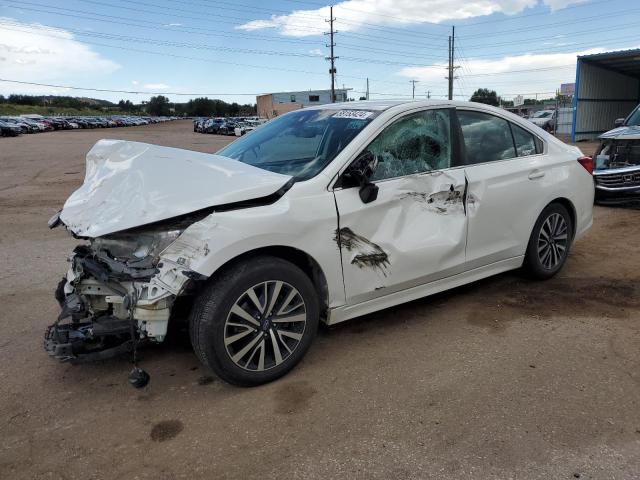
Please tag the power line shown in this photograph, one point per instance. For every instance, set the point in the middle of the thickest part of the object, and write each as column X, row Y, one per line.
column 207, row 33
column 68, row 87
column 304, row 28
column 537, row 39
column 559, row 49
column 197, row 46
column 355, row 59
column 203, row 94
column 199, row 30
column 116, row 37
column 518, row 17
column 165, row 54
column 403, row 19
column 547, row 25
column 141, row 10
column 155, row 26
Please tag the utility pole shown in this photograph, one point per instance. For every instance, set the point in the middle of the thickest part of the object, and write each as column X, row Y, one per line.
column 367, row 88
column 452, row 48
column 413, row 82
column 332, row 58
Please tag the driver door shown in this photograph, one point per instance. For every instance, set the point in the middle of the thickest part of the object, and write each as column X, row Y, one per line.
column 415, row 231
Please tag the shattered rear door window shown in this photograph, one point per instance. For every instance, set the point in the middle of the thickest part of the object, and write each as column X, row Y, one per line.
column 417, row 143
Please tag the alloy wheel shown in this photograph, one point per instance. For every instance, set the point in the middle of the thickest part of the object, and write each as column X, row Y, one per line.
column 265, row 325
column 553, row 241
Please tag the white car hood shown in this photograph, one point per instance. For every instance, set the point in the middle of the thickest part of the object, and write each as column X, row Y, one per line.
column 129, row 184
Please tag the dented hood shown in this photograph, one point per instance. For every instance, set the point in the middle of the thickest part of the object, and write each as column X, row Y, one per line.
column 129, row 184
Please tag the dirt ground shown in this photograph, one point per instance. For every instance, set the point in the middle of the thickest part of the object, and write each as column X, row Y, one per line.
column 503, row 378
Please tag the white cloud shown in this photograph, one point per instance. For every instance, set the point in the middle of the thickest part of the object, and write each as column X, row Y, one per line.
column 35, row 53
column 134, row 82
column 353, row 14
column 316, row 51
column 156, row 86
column 172, row 24
column 560, row 4
column 528, row 73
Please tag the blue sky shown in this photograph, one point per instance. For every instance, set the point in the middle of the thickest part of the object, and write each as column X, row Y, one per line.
column 226, row 49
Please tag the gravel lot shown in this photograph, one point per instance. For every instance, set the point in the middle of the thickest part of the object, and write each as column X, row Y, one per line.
column 500, row 379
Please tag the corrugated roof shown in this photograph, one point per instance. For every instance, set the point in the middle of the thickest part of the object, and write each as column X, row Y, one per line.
column 623, row 61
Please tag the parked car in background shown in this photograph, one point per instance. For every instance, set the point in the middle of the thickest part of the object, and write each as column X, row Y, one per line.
column 245, row 127
column 545, row 119
column 617, row 162
column 323, row 214
column 38, row 126
column 23, row 125
column 37, row 123
column 9, row 129
column 228, row 127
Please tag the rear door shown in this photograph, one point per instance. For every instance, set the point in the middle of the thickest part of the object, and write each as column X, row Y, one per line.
column 415, row 231
column 505, row 166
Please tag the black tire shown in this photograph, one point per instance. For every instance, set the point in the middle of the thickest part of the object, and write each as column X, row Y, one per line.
column 212, row 310
column 544, row 258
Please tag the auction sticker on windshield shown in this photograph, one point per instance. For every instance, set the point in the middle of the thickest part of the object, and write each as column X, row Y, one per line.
column 358, row 114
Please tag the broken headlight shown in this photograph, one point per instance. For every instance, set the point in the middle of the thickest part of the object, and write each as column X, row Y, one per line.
column 136, row 246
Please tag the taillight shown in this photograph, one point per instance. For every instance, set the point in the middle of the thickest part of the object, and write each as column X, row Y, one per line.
column 587, row 163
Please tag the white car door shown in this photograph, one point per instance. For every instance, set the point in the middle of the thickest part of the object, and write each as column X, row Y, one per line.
column 415, row 230
column 505, row 169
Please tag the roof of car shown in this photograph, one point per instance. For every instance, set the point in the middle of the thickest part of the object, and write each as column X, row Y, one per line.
column 381, row 105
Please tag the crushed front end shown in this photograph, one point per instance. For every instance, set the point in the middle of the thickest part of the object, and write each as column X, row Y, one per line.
column 118, row 291
column 617, row 170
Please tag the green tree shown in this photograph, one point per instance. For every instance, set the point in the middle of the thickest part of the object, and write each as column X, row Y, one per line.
column 484, row 95
column 126, row 106
column 158, row 106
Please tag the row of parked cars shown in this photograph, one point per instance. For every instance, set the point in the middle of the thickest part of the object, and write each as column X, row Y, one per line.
column 237, row 126
column 13, row 126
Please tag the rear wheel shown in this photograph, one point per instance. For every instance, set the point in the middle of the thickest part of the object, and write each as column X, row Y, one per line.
column 549, row 243
column 255, row 321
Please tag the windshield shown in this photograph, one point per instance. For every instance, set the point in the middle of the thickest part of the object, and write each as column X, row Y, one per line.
column 300, row 143
column 542, row 114
column 634, row 118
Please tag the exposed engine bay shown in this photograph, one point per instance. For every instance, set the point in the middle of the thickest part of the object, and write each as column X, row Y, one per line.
column 108, row 297
column 617, row 153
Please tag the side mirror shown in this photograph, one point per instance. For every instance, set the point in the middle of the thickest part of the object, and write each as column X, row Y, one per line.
column 361, row 171
column 368, row 192
column 619, row 122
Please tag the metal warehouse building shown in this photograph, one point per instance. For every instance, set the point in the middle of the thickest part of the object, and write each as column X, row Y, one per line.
column 607, row 88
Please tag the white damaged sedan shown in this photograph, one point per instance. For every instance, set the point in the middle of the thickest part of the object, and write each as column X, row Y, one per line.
column 322, row 214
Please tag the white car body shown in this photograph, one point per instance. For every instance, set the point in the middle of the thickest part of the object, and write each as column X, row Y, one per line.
column 424, row 233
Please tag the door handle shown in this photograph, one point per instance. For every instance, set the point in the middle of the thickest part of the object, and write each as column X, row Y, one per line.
column 536, row 174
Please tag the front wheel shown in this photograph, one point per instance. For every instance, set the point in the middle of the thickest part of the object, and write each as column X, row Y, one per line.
column 549, row 243
column 255, row 321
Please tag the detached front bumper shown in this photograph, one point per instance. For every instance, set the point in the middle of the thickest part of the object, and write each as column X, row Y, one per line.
column 88, row 341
